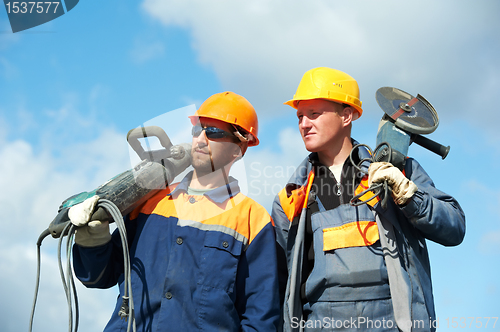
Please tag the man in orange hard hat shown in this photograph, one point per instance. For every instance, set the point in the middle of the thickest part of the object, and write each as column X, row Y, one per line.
column 203, row 254
column 347, row 267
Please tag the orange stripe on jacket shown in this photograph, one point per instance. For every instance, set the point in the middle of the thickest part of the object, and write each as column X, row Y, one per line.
column 354, row 234
column 240, row 213
column 293, row 203
column 369, row 196
column 150, row 204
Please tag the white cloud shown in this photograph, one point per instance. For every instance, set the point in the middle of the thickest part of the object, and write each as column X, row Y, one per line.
column 68, row 116
column 18, row 264
column 39, row 181
column 262, row 48
column 34, row 183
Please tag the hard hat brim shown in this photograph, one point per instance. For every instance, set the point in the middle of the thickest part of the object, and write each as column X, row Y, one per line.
column 293, row 103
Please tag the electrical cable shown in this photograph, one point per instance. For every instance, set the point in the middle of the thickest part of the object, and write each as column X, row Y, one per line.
column 71, row 279
column 127, row 308
column 42, row 236
column 63, row 278
column 382, row 152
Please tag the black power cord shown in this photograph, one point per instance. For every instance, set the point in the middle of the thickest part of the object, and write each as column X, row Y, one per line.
column 127, row 308
column 383, row 152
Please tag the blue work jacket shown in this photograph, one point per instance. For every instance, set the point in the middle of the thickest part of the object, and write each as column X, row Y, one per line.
column 401, row 234
column 204, row 262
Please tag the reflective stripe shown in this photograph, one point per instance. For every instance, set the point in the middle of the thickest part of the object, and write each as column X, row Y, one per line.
column 354, row 234
column 213, row 227
column 89, row 283
column 308, row 190
column 369, row 196
column 238, row 217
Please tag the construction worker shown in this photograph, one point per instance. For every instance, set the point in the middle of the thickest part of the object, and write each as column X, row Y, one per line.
column 362, row 268
column 203, row 255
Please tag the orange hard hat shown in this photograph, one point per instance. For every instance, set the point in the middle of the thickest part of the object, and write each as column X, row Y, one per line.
column 231, row 108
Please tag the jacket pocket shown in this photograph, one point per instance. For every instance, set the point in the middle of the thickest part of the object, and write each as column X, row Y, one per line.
column 354, row 234
column 219, row 260
column 347, row 253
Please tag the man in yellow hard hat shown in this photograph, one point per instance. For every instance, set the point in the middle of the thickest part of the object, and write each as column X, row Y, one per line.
column 362, row 268
column 203, row 254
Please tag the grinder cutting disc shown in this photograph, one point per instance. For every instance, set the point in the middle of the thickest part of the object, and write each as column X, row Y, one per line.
column 413, row 114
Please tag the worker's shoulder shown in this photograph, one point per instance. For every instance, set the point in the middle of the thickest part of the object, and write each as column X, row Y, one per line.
column 249, row 204
column 149, row 206
column 249, row 217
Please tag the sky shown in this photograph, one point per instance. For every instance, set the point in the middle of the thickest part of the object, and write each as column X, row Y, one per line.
column 72, row 88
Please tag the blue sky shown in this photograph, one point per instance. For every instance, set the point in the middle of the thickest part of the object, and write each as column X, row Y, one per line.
column 72, row 88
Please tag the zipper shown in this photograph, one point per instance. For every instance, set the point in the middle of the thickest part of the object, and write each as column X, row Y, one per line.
column 338, row 188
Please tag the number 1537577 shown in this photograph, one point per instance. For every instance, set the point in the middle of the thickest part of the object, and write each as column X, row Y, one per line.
column 39, row 7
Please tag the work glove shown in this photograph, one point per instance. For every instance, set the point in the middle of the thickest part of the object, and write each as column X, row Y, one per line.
column 89, row 234
column 402, row 188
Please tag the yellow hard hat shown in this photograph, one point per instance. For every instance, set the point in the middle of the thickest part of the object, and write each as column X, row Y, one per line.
column 231, row 108
column 330, row 84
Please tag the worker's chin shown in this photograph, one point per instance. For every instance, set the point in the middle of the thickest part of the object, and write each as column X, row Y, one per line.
column 202, row 166
column 205, row 168
column 311, row 147
column 309, row 143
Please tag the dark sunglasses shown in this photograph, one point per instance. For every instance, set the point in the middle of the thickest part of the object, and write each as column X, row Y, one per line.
column 211, row 132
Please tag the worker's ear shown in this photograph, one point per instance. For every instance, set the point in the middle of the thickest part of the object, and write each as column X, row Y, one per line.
column 240, row 152
column 347, row 114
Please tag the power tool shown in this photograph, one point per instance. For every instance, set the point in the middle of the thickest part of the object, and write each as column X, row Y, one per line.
column 135, row 186
column 118, row 197
column 406, row 119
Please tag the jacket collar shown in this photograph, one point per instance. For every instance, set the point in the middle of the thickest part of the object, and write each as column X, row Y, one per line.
column 301, row 173
column 218, row 195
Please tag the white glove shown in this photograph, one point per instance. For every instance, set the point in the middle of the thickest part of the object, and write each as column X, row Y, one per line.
column 88, row 234
column 402, row 188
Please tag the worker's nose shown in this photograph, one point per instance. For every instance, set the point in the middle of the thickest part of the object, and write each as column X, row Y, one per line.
column 304, row 122
column 201, row 140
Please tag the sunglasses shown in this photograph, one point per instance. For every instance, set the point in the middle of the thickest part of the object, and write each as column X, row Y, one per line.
column 212, row 133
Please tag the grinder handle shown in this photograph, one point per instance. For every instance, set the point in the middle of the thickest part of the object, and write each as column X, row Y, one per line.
column 141, row 132
column 431, row 145
column 60, row 222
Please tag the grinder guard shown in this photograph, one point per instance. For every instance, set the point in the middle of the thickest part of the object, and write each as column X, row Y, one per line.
column 405, row 119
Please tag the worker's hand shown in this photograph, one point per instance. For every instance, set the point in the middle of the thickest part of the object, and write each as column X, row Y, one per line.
column 80, row 213
column 89, row 234
column 402, row 188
